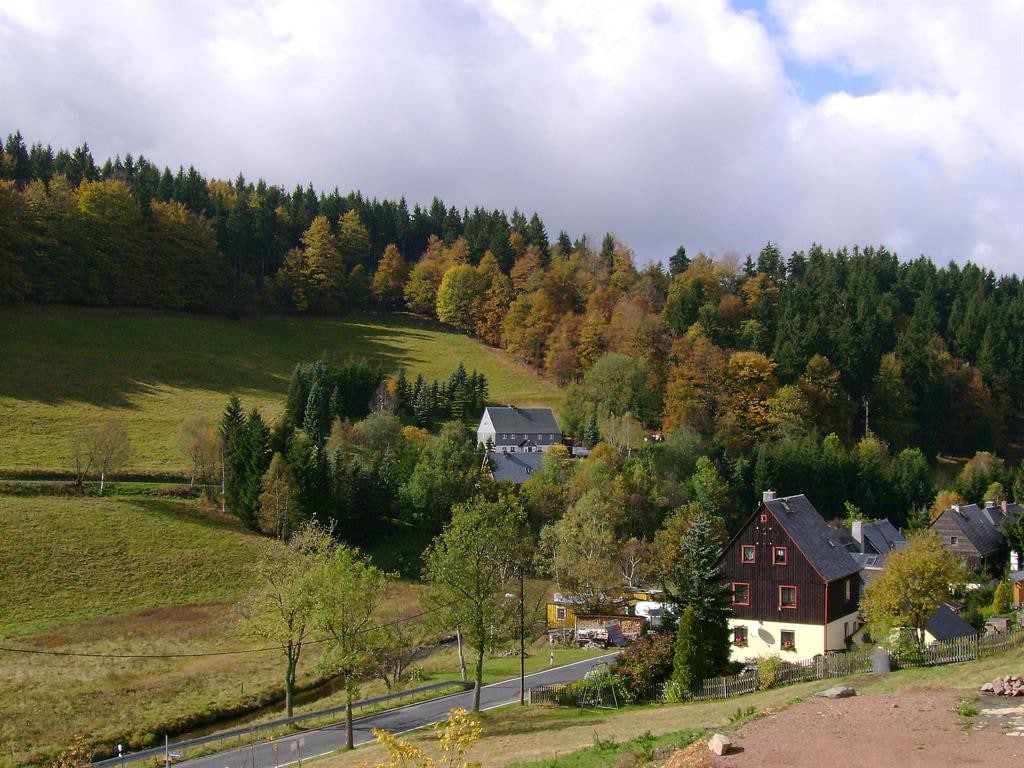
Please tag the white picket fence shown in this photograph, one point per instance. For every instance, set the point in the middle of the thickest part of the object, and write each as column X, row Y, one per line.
column 859, row 662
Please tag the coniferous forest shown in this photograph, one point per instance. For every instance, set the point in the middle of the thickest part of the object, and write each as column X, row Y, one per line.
column 754, row 355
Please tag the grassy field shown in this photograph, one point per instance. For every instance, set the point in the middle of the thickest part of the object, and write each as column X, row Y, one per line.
column 562, row 737
column 72, row 558
column 133, row 575
column 62, row 369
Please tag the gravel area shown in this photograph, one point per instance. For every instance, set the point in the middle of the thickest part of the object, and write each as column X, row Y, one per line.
column 915, row 728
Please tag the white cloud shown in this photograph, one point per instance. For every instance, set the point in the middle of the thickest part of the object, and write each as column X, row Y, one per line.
column 665, row 122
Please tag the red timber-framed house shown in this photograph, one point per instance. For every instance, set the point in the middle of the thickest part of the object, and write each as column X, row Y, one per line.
column 795, row 587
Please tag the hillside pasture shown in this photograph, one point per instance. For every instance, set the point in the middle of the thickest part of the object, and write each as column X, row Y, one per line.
column 64, row 369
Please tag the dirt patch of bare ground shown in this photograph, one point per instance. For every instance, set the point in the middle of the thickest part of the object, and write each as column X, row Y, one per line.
column 915, row 728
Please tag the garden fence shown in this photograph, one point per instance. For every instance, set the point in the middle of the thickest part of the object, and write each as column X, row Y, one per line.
column 858, row 662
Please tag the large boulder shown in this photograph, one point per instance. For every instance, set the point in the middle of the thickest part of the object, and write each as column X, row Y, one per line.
column 720, row 744
column 838, row 692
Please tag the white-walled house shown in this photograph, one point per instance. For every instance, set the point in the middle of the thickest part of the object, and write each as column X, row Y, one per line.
column 509, row 429
column 795, row 587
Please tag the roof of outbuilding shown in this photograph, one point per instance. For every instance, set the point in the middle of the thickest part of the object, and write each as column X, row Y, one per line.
column 883, row 536
column 515, row 467
column 509, row 418
column 944, row 624
column 821, row 545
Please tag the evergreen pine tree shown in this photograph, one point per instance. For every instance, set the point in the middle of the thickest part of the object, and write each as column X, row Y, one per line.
column 690, row 663
column 232, row 429
column 255, row 459
column 564, row 243
column 402, row 393
column 298, row 394
column 702, row 589
column 317, row 419
column 435, row 401
column 423, row 408
column 678, row 261
column 591, row 435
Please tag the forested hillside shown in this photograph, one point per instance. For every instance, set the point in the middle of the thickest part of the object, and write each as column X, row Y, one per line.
column 743, row 353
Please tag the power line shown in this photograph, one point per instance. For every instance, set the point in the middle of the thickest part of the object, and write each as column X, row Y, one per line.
column 86, row 654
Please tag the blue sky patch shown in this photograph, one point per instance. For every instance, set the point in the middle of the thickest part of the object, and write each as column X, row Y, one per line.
column 812, row 81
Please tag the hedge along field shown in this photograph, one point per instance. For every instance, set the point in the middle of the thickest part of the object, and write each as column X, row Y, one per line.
column 64, row 369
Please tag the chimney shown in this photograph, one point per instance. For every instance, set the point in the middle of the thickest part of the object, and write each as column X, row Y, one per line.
column 857, row 532
column 1006, row 509
column 768, row 496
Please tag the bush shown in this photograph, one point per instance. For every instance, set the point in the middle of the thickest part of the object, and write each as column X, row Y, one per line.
column 1002, row 600
column 644, row 667
column 690, row 663
column 769, row 671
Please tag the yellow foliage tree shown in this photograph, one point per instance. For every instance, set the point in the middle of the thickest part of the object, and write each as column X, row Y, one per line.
column 944, row 500
column 914, row 582
column 456, row 735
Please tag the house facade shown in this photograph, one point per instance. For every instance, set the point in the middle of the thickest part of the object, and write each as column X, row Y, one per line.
column 509, row 429
column 973, row 532
column 795, row 587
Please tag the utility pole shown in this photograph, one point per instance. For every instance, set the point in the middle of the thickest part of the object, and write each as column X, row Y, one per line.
column 522, row 635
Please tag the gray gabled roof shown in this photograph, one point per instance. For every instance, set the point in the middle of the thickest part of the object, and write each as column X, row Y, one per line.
column 882, row 536
column 944, row 624
column 980, row 526
column 523, row 420
column 821, row 545
column 515, row 467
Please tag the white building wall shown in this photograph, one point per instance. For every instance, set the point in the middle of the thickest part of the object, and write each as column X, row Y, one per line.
column 485, row 430
column 765, row 638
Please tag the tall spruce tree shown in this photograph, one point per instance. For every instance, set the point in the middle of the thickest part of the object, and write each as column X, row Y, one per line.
column 232, row 432
column 690, row 662
column 701, row 588
column 678, row 261
column 255, row 460
column 317, row 419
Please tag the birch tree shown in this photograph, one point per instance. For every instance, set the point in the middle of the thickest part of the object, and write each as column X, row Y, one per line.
column 470, row 567
column 109, row 449
column 346, row 593
column 279, row 608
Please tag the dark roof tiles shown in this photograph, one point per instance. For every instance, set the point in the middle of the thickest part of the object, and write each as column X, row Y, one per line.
column 515, row 467
column 523, row 420
column 822, row 546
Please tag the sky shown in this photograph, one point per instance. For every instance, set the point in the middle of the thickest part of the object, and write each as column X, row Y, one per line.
column 710, row 124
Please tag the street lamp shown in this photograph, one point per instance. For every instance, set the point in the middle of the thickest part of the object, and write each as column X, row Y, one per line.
column 522, row 633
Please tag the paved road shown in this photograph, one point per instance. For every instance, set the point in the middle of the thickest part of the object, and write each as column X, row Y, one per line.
column 272, row 754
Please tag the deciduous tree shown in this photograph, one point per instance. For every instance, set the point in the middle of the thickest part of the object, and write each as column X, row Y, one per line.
column 470, row 568
column 909, row 590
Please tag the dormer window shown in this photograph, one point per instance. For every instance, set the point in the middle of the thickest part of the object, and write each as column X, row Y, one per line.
column 779, row 556
column 748, row 554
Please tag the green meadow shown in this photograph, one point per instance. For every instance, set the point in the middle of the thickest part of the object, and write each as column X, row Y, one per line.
column 65, row 369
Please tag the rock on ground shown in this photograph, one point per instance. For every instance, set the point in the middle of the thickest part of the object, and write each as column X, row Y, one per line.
column 719, row 744
column 839, row 692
